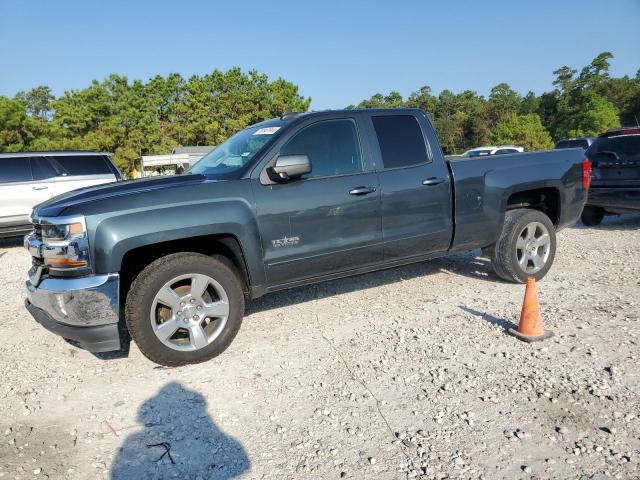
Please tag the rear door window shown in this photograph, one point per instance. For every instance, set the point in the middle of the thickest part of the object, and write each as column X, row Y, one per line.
column 401, row 141
column 82, row 164
column 15, row 169
column 42, row 169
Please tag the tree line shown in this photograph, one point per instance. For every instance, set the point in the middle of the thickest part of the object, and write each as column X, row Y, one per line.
column 581, row 104
column 131, row 119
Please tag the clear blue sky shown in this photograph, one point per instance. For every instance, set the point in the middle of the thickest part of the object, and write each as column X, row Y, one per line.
column 338, row 52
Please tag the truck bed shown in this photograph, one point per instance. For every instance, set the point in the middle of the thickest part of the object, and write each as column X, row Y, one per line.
column 483, row 186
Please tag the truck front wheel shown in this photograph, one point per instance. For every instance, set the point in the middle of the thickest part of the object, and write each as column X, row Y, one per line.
column 185, row 308
column 526, row 247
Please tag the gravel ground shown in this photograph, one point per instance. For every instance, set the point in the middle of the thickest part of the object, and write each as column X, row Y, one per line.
column 405, row 373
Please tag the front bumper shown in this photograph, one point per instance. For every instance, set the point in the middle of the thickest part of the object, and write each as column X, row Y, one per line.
column 84, row 310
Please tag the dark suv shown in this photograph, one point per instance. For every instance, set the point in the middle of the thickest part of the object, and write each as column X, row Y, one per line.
column 580, row 142
column 615, row 185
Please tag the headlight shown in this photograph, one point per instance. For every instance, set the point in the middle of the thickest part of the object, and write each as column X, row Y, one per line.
column 65, row 245
column 58, row 233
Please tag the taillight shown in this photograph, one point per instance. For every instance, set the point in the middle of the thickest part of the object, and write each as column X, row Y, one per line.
column 586, row 173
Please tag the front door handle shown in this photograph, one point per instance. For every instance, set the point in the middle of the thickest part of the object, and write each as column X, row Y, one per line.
column 39, row 188
column 433, row 181
column 362, row 190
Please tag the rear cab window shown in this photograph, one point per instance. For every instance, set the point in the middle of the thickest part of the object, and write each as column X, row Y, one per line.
column 15, row 169
column 82, row 164
column 401, row 141
column 625, row 147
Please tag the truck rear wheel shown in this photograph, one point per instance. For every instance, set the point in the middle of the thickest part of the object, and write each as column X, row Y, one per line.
column 185, row 308
column 526, row 247
column 592, row 216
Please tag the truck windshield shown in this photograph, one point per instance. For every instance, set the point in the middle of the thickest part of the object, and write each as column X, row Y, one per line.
column 235, row 153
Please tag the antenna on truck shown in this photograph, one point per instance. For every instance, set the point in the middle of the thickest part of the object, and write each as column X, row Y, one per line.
column 288, row 113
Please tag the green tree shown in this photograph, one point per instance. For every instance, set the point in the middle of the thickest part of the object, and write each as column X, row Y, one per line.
column 132, row 119
column 530, row 103
column 524, row 130
column 597, row 115
column 378, row 100
column 503, row 102
column 13, row 117
column 424, row 99
column 38, row 101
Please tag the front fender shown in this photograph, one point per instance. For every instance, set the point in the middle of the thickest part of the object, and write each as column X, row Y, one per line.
column 115, row 235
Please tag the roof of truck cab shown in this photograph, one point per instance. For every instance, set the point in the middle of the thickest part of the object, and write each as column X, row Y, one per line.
column 318, row 113
column 52, row 152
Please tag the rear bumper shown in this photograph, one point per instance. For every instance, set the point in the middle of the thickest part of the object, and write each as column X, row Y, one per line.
column 84, row 310
column 615, row 199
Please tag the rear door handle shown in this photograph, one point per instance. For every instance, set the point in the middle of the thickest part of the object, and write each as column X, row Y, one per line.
column 39, row 188
column 433, row 181
column 361, row 190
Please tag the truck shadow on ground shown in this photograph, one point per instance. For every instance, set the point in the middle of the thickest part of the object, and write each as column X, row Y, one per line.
column 468, row 264
column 614, row 222
column 178, row 440
column 11, row 242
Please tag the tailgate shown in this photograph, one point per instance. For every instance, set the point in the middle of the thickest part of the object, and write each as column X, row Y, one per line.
column 612, row 172
column 616, row 161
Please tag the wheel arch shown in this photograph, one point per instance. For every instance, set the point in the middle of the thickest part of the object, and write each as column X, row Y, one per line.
column 545, row 199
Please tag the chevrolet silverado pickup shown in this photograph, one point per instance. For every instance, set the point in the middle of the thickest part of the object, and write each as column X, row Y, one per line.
column 287, row 202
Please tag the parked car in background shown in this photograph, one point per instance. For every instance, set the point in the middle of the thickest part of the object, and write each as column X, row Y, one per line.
column 290, row 201
column 30, row 178
column 179, row 160
column 615, row 185
column 500, row 150
column 579, row 142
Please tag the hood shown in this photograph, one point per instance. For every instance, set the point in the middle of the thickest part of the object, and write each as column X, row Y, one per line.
column 57, row 205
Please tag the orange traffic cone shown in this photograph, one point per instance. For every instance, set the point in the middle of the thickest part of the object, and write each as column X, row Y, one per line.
column 530, row 328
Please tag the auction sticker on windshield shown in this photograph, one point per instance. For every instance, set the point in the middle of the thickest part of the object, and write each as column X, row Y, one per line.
column 266, row 131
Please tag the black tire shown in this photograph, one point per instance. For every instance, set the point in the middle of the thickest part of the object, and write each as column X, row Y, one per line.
column 592, row 216
column 504, row 256
column 141, row 296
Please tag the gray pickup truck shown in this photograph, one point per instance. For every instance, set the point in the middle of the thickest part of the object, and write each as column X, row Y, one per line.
column 286, row 202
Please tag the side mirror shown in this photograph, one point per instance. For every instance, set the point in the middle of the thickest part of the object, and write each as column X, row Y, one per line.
column 289, row 167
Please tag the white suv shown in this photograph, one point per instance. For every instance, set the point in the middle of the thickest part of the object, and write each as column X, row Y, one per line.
column 30, row 178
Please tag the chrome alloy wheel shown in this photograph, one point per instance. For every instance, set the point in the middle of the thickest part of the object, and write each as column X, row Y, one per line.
column 189, row 312
column 533, row 247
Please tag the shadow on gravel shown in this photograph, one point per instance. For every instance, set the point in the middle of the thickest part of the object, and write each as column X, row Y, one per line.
column 178, row 440
column 468, row 264
column 125, row 343
column 504, row 324
column 614, row 222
